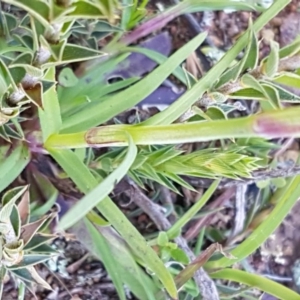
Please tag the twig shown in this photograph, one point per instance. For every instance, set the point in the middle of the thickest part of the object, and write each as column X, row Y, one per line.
column 240, row 210
column 271, row 173
column 77, row 264
column 58, row 279
column 284, row 147
column 206, row 285
column 166, row 198
column 153, row 210
column 194, row 230
column 204, row 25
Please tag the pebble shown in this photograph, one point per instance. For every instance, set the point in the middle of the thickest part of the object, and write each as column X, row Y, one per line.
column 290, row 28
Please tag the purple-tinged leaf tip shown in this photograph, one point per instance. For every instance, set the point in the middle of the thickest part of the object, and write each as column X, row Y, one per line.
column 270, row 126
column 151, row 25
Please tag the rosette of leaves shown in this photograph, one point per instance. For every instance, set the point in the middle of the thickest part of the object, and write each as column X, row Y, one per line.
column 22, row 244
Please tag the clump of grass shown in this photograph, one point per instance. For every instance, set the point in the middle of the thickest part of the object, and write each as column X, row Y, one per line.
column 46, row 109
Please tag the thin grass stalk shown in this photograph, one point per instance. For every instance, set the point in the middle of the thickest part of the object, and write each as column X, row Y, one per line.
column 275, row 124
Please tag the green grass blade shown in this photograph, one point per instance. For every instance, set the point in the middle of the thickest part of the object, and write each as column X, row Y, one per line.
column 264, row 284
column 273, row 124
column 102, row 250
column 43, row 209
column 104, row 243
column 13, row 165
column 81, row 208
column 193, row 210
column 159, row 58
column 92, row 78
column 84, row 179
column 191, row 6
column 21, row 291
column 49, row 115
column 128, row 7
column 137, row 244
column 128, row 98
column 75, row 168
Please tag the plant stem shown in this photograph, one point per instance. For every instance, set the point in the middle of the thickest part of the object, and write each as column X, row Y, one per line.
column 21, row 292
column 274, row 124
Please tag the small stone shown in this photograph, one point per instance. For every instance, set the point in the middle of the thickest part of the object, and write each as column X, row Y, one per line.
column 233, row 30
column 268, row 35
column 96, row 279
column 290, row 28
column 244, row 16
column 276, row 22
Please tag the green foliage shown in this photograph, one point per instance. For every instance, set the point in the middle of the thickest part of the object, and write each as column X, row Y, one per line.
column 284, row 198
column 98, row 112
column 104, row 189
column 13, row 163
column 46, row 107
column 269, row 286
column 21, row 240
column 133, row 12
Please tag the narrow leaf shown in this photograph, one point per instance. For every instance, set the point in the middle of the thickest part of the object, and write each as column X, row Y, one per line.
column 84, row 179
column 50, row 114
column 101, row 191
column 29, row 230
column 102, row 249
column 286, row 197
column 13, row 165
column 270, row 64
column 134, row 94
column 24, row 208
column 30, row 260
column 262, row 283
column 175, row 110
column 37, row 240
